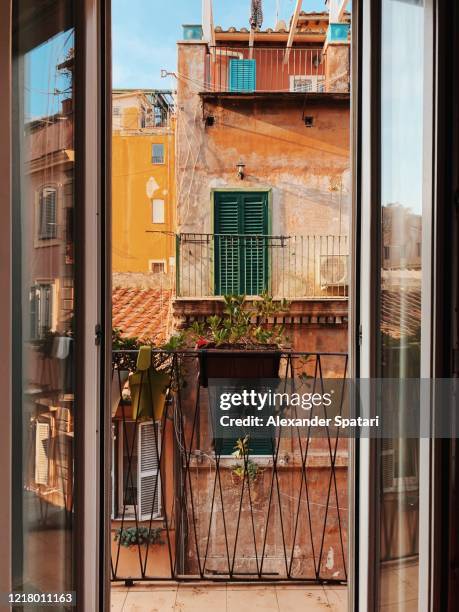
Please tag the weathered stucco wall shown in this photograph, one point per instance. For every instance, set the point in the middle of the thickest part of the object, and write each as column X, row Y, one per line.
column 307, row 168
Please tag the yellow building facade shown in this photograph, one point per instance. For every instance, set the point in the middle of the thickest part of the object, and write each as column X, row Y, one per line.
column 143, row 183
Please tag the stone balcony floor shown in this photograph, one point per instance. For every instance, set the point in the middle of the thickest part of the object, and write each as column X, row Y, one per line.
column 230, row 597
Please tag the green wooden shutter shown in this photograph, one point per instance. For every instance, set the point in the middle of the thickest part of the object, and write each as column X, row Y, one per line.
column 227, row 251
column 257, row 446
column 242, row 75
column 241, row 258
column 255, row 251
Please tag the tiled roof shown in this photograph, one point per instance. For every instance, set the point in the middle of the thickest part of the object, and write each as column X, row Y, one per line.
column 143, row 312
column 401, row 312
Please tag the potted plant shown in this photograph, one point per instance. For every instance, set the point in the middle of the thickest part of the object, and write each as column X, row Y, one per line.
column 225, row 342
column 134, row 536
column 247, row 467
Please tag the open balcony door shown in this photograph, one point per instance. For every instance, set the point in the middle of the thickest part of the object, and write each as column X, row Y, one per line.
column 54, row 189
column 406, row 168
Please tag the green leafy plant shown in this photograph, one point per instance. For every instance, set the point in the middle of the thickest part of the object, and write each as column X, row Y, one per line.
column 133, row 536
column 248, row 467
column 242, row 323
column 123, row 343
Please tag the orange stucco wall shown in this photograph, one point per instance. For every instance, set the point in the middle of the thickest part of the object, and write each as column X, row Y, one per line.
column 307, row 169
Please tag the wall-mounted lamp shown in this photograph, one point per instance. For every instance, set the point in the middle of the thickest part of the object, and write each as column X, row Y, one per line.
column 240, row 170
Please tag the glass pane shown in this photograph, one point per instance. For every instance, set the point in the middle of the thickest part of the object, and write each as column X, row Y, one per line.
column 400, row 284
column 43, row 350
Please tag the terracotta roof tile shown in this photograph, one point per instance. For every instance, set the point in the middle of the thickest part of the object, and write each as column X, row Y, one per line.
column 401, row 312
column 143, row 312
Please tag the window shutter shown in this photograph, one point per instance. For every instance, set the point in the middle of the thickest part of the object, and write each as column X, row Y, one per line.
column 46, row 307
column 48, row 226
column 42, row 441
column 149, row 485
column 255, row 253
column 257, row 446
column 242, row 75
column 158, row 211
column 34, row 308
column 387, row 460
column 241, row 259
column 157, row 154
column 227, row 251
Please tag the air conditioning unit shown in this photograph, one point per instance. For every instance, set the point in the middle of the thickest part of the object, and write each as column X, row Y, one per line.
column 333, row 271
column 307, row 83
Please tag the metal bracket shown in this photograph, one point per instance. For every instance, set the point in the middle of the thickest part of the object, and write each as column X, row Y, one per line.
column 98, row 334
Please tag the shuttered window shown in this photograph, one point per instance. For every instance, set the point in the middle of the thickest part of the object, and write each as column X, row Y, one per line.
column 149, row 486
column 157, row 154
column 47, row 216
column 242, row 75
column 241, row 253
column 42, row 443
column 41, row 310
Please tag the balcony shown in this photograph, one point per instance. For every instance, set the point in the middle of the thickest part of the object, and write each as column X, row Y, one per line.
column 292, row 267
column 187, row 508
column 244, row 70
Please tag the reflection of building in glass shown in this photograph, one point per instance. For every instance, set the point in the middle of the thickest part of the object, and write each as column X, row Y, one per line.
column 400, row 328
column 49, row 266
column 402, row 233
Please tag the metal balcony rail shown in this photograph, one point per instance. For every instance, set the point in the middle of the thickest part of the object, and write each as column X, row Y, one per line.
column 185, row 508
column 266, row 69
column 285, row 266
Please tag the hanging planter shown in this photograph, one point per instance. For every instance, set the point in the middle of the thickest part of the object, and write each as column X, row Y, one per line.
column 236, row 361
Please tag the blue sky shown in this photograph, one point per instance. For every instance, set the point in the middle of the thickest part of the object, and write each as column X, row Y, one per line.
column 145, row 33
column 45, row 85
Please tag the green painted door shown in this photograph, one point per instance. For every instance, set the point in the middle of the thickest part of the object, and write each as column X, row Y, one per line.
column 241, row 242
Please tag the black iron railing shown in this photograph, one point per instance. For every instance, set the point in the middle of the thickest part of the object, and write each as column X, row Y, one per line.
column 185, row 507
column 248, row 264
column 245, row 70
column 265, row 69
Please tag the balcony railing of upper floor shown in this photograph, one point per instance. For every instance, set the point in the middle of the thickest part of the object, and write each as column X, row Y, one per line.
column 270, row 69
column 292, row 267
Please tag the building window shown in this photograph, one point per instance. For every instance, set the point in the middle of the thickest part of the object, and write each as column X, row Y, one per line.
column 143, row 113
column 138, row 478
column 41, row 310
column 116, row 111
column 241, row 242
column 307, row 83
column 157, row 266
column 399, row 464
column 158, row 211
column 257, row 447
column 47, row 214
column 157, row 154
column 387, row 252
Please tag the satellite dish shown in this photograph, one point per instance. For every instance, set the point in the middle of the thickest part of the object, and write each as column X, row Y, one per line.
column 152, row 186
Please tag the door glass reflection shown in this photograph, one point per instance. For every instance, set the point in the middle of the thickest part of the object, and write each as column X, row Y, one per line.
column 43, row 351
column 400, row 288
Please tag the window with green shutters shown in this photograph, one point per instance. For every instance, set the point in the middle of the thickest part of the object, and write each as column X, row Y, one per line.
column 257, row 446
column 241, row 244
